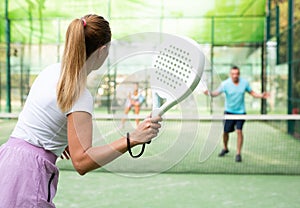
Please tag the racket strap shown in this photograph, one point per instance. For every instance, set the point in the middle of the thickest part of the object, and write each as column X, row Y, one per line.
column 129, row 148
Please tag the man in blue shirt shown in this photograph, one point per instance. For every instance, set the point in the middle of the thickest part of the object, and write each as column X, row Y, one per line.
column 234, row 89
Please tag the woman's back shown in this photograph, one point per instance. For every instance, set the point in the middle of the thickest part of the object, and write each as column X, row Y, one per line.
column 41, row 123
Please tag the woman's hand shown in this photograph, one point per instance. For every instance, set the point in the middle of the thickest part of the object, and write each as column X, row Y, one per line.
column 145, row 131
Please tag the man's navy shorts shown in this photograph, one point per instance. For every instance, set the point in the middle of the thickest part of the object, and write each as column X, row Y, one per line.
column 231, row 125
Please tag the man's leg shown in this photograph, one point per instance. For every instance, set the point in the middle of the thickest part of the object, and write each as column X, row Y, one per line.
column 228, row 127
column 225, row 143
column 240, row 138
column 225, row 140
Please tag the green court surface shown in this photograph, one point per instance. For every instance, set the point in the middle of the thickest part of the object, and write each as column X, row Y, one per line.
column 177, row 190
column 269, row 175
column 267, row 148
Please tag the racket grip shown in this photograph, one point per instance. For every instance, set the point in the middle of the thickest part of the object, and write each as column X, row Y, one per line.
column 155, row 112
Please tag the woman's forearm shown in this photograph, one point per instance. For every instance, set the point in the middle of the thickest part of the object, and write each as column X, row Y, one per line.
column 95, row 157
column 86, row 157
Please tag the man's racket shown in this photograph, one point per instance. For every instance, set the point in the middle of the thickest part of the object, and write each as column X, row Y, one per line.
column 176, row 72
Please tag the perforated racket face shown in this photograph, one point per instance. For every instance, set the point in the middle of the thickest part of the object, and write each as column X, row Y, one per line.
column 177, row 70
column 173, row 67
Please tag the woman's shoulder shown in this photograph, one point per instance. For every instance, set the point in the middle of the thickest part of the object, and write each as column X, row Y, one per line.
column 84, row 103
column 52, row 68
column 48, row 76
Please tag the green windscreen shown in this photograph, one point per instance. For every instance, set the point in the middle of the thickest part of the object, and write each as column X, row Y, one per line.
column 216, row 21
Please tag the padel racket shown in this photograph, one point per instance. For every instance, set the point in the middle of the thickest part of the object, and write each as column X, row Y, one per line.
column 176, row 72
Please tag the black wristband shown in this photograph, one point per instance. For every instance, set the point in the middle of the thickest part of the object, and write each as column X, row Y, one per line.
column 129, row 148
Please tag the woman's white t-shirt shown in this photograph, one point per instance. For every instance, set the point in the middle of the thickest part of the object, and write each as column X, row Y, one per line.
column 41, row 122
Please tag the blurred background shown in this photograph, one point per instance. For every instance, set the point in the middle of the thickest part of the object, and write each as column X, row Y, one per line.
column 259, row 36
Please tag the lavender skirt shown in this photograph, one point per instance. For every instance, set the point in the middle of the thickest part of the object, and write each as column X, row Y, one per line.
column 28, row 175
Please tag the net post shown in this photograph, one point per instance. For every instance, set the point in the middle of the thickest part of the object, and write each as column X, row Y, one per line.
column 277, row 34
column 268, row 21
column 290, row 62
column 263, row 109
column 8, row 81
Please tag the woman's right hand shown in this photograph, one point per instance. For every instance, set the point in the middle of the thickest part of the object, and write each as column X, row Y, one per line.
column 145, row 131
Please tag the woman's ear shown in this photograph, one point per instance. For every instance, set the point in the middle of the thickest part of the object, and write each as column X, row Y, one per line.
column 101, row 50
column 97, row 58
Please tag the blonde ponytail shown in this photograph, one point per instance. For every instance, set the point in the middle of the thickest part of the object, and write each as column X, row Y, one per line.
column 84, row 36
column 73, row 73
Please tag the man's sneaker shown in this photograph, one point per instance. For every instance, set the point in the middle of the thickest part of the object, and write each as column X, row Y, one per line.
column 223, row 152
column 238, row 158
